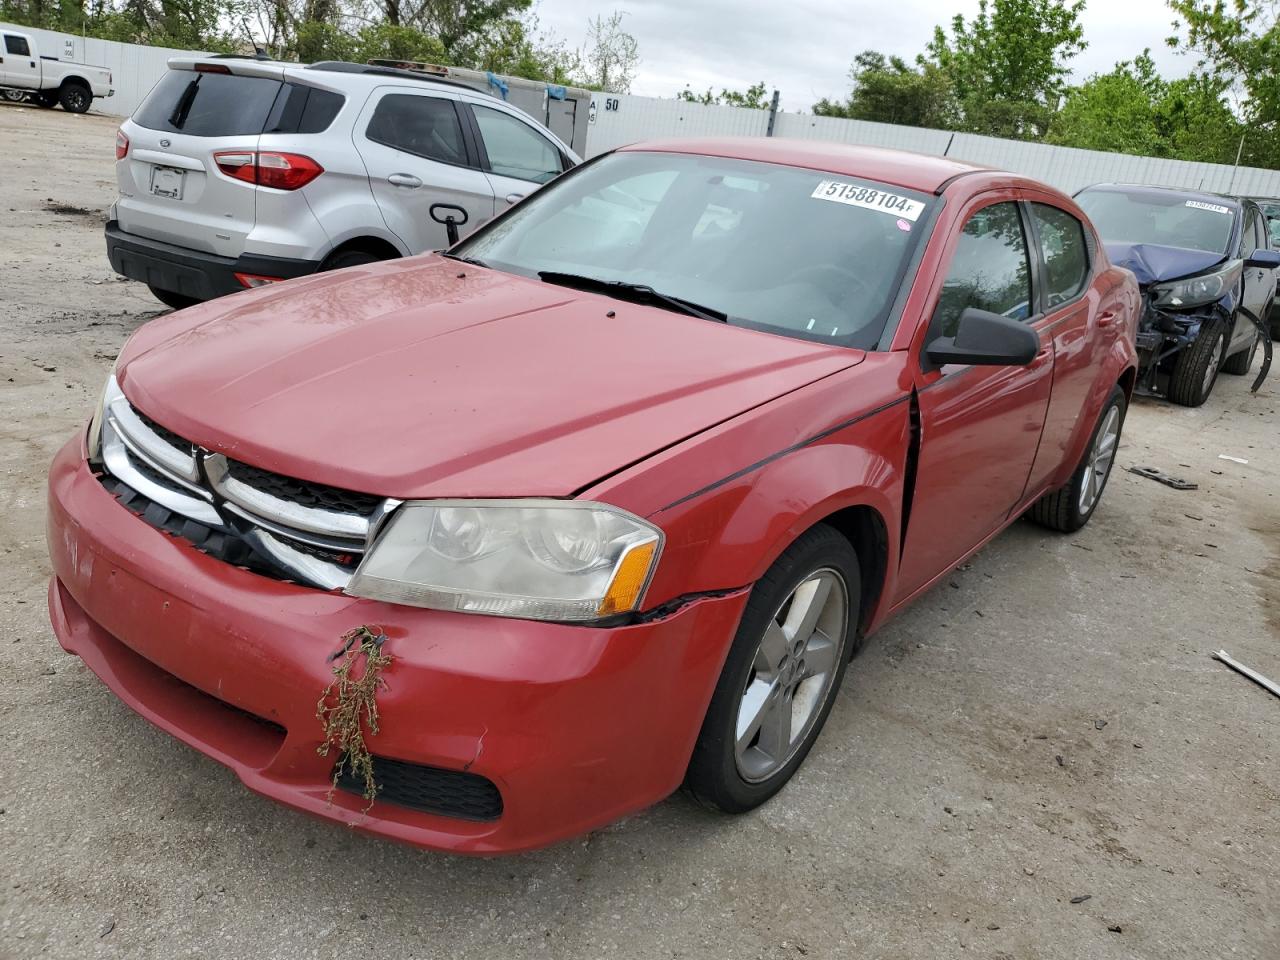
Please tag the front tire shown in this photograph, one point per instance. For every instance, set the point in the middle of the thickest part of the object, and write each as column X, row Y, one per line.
column 170, row 299
column 1196, row 370
column 1070, row 507
column 781, row 676
column 75, row 98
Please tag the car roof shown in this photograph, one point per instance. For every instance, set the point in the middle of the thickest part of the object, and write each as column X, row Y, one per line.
column 915, row 171
column 1149, row 189
column 372, row 75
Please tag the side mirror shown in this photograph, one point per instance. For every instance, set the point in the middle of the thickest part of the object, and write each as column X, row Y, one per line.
column 986, row 339
column 1263, row 258
column 451, row 216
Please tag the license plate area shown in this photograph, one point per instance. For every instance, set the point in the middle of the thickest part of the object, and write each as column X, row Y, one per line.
column 167, row 182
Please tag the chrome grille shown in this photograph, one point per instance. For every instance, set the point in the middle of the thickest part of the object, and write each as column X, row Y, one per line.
column 307, row 532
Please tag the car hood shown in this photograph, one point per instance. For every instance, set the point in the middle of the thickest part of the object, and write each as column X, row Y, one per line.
column 1155, row 262
column 424, row 378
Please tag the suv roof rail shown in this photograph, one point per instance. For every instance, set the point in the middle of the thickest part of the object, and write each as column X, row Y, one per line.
column 343, row 66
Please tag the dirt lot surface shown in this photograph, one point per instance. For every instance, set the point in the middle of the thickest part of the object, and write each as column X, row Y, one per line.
column 1045, row 727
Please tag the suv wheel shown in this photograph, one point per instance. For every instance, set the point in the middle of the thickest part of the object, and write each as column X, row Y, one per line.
column 170, row 299
column 75, row 98
column 349, row 258
column 781, row 676
column 1069, row 508
column 1196, row 369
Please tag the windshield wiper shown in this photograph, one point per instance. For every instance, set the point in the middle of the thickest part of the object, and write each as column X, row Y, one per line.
column 474, row 261
column 181, row 110
column 640, row 292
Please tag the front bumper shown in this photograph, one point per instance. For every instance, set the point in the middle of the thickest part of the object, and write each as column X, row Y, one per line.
column 576, row 726
column 192, row 273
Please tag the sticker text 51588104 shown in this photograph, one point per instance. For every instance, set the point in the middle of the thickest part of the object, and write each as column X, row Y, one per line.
column 869, row 198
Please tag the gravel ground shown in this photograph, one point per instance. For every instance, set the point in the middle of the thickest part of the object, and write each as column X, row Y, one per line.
column 1047, row 726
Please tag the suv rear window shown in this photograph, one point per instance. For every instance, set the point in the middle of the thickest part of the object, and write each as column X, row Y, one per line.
column 208, row 104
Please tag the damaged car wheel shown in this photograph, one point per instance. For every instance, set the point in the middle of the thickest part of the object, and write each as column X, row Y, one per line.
column 1196, row 370
column 1069, row 508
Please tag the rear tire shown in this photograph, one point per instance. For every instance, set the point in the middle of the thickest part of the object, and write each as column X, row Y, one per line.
column 781, row 676
column 1242, row 362
column 170, row 299
column 349, row 258
column 1069, row 508
column 75, row 98
column 1196, row 370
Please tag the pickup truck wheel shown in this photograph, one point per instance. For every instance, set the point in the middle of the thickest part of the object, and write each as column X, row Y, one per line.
column 1069, row 508
column 1240, row 364
column 14, row 96
column 1196, row 370
column 781, row 675
column 170, row 299
column 75, row 98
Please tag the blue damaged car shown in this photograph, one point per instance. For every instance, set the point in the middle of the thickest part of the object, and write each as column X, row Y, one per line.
column 1207, row 274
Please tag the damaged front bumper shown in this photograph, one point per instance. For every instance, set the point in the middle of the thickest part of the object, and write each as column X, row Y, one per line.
column 496, row 735
column 1163, row 334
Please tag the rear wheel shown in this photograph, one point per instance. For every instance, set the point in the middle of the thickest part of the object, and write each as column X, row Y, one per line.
column 1196, row 369
column 349, row 258
column 75, row 97
column 1070, row 507
column 170, row 299
column 781, row 676
column 1241, row 363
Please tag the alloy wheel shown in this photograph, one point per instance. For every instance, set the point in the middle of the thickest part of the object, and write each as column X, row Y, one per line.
column 795, row 665
column 1098, row 464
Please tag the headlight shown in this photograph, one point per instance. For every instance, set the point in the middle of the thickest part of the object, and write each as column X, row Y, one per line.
column 1197, row 291
column 536, row 559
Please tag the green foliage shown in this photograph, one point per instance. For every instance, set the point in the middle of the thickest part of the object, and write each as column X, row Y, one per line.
column 1008, row 65
column 887, row 90
column 756, row 97
column 1238, row 42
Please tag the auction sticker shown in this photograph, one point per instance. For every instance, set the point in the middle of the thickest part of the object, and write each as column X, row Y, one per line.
column 1201, row 205
column 868, row 198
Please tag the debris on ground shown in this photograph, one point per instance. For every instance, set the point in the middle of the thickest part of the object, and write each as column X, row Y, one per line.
column 1253, row 675
column 1152, row 473
column 1224, row 456
column 1082, row 898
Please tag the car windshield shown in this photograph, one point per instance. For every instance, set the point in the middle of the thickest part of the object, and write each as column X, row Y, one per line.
column 788, row 250
column 1170, row 219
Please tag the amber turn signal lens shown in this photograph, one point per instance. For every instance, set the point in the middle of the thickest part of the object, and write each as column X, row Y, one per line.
column 629, row 580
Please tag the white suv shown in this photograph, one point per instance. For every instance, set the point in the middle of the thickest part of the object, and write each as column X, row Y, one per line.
column 237, row 172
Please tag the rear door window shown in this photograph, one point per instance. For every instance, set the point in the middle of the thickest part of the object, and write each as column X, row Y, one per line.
column 17, row 46
column 424, row 126
column 990, row 270
column 515, row 149
column 208, row 104
column 1066, row 257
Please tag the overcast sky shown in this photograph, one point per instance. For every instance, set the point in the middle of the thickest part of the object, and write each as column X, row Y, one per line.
column 804, row 47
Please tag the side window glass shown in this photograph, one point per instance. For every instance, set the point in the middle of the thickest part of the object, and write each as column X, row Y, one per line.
column 1249, row 235
column 18, row 46
column 990, row 270
column 424, row 126
column 1066, row 257
column 515, row 149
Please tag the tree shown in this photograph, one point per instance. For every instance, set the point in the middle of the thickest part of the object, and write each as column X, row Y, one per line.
column 887, row 90
column 756, row 97
column 611, row 56
column 1008, row 65
column 1134, row 110
column 1238, row 42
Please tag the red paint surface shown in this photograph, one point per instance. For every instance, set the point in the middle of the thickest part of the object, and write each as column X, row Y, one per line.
column 406, row 380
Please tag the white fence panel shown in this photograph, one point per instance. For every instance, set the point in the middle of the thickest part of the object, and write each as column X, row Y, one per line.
column 134, row 68
column 618, row 120
column 862, row 132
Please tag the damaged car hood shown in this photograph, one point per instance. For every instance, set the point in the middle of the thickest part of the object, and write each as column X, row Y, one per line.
column 1155, row 262
column 428, row 378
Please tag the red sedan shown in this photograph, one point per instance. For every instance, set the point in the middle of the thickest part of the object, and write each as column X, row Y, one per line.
column 624, row 479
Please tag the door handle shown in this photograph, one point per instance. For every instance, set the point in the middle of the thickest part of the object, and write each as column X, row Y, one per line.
column 514, row 197
column 1108, row 318
column 404, row 180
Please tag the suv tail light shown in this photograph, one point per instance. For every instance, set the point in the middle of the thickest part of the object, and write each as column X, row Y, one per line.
column 268, row 168
column 122, row 145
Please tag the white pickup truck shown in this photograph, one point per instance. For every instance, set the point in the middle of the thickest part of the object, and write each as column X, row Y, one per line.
column 47, row 81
